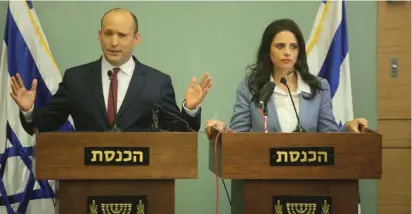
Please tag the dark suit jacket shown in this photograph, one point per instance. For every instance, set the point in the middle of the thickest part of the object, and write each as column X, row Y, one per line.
column 80, row 94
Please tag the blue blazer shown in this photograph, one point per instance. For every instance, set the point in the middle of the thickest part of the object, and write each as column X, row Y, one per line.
column 315, row 115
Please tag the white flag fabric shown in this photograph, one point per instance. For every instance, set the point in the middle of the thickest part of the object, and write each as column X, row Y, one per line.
column 24, row 51
column 328, row 57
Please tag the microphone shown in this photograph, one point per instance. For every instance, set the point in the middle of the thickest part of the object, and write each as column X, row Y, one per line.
column 155, row 117
column 175, row 126
column 267, row 91
column 114, row 128
column 299, row 128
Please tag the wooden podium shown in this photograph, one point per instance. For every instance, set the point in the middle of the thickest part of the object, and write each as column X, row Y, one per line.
column 288, row 173
column 133, row 172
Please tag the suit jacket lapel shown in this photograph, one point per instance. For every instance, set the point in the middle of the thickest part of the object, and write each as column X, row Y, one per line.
column 97, row 87
column 303, row 107
column 273, row 120
column 136, row 85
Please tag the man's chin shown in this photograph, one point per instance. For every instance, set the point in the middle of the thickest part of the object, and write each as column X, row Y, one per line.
column 116, row 61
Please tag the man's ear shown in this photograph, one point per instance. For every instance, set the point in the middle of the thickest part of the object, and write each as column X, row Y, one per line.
column 99, row 35
column 137, row 38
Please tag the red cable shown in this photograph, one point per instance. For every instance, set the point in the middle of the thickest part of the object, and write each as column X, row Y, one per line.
column 216, row 160
column 217, row 167
column 266, row 120
column 216, row 173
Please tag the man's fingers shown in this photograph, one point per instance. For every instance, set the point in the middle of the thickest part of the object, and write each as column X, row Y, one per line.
column 13, row 88
column 206, row 83
column 209, row 85
column 20, row 81
column 34, row 85
column 14, row 82
column 192, row 82
column 14, row 97
column 205, row 91
column 205, row 77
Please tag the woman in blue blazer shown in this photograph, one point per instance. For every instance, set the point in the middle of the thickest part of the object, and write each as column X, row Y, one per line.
column 281, row 59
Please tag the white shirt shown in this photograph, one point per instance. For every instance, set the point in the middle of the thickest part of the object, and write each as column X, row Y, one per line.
column 123, row 77
column 286, row 114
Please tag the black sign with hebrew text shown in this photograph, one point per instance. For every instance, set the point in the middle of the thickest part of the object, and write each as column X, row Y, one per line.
column 116, row 156
column 302, row 156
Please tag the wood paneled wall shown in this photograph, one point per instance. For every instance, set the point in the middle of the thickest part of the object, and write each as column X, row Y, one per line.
column 394, row 106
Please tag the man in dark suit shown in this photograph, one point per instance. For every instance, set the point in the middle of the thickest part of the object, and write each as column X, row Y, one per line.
column 116, row 83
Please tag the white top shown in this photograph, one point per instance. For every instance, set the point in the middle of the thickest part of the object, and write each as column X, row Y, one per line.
column 286, row 113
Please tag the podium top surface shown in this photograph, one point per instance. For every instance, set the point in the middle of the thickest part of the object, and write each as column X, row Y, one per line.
column 111, row 155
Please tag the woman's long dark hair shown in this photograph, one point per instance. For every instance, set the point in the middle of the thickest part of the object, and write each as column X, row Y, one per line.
column 263, row 68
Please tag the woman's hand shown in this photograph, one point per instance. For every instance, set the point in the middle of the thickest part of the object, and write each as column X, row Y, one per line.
column 355, row 124
column 210, row 124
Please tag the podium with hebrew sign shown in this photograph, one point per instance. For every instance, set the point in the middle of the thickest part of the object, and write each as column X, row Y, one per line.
column 286, row 173
column 109, row 172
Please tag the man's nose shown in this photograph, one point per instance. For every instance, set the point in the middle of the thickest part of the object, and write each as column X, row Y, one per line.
column 114, row 41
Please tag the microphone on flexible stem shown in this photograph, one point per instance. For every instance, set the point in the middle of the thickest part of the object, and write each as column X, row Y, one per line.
column 155, row 117
column 176, row 126
column 266, row 92
column 299, row 128
column 114, row 128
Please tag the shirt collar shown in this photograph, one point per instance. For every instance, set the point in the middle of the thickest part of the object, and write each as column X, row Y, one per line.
column 127, row 67
column 302, row 86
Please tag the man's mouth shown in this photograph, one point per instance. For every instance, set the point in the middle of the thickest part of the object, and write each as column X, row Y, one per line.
column 114, row 51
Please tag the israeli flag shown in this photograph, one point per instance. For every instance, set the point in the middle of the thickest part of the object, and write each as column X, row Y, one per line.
column 328, row 57
column 24, row 50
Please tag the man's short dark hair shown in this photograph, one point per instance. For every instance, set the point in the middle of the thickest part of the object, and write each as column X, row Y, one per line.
column 136, row 29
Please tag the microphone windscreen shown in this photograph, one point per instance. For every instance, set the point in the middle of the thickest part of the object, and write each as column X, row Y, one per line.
column 267, row 91
column 283, row 80
column 110, row 73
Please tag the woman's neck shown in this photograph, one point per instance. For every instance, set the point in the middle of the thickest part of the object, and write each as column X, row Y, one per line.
column 290, row 76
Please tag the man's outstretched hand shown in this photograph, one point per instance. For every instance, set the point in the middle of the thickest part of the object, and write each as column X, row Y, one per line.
column 197, row 92
column 23, row 98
